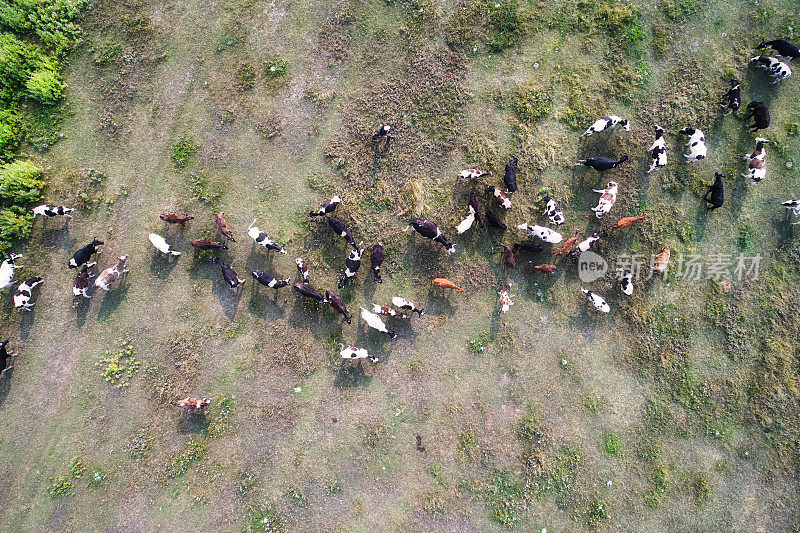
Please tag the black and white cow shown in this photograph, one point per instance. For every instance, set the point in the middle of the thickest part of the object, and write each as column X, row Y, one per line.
column 604, row 123
column 7, row 270
column 756, row 162
column 326, row 208
column 794, row 205
column 341, row 230
column 658, row 150
column 22, row 298
column 307, row 290
column 760, row 113
column 261, row 238
column 586, row 244
column 553, row 212
column 375, row 322
column 48, row 211
column 338, row 304
column 402, row 303
column 600, row 163
column 597, row 301
column 510, row 176
column 783, row 47
column 5, row 355
column 228, row 274
column 268, row 280
column 696, row 144
column 355, row 353
column 429, row 230
column 376, row 259
column 715, row 195
column 351, row 265
column 732, row 99
column 777, row 69
column 545, row 234
column 302, row 269
column 465, row 224
column 608, row 197
column 80, row 287
column 626, row 282
column 83, row 255
column 383, row 131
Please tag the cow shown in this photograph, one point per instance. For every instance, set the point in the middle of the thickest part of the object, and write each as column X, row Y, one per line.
column 473, row 174
column 222, row 226
column 600, row 163
column 5, row 355
column 494, row 220
column 402, row 303
column 172, row 218
column 83, row 255
column 476, row 205
column 355, row 353
column 111, row 274
column 465, row 224
column 328, row 207
column 588, row 243
column 161, row 245
column 7, row 270
column 302, row 269
column 508, row 255
column 338, row 304
column 375, row 322
column 608, row 198
column 193, row 405
column 794, row 205
column 48, row 211
column 307, row 290
column 544, row 268
column 206, row 244
column 385, row 310
column 261, row 238
column 604, row 123
column 351, row 265
column 626, row 222
column 783, row 47
column 22, row 297
column 376, row 260
column 599, row 303
column 759, row 111
column 545, row 234
column 429, row 230
column 505, row 299
column 80, row 287
column 383, row 132
column 658, row 150
column 696, row 144
column 661, row 261
column 776, row 68
column 510, row 176
column 500, row 197
column 341, row 230
column 268, row 280
column 228, row 274
column 553, row 212
column 444, row 283
column 569, row 245
column 626, row 282
column 732, row 99
column 529, row 246
column 756, row 163
column 715, row 195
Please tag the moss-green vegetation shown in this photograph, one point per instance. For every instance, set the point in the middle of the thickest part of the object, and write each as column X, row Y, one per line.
column 118, row 367
column 22, row 183
column 183, row 152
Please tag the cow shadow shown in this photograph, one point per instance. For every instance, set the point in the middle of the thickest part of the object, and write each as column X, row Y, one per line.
column 26, row 323
column 5, row 384
column 228, row 297
column 262, row 305
column 351, row 374
column 81, row 311
column 57, row 238
column 111, row 300
column 307, row 314
column 161, row 265
column 192, row 423
column 439, row 303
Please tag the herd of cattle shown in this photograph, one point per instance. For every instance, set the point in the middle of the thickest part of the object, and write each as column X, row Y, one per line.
column 402, row 308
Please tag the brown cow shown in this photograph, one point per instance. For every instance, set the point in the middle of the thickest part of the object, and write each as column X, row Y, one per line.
column 193, row 404
column 569, row 244
column 222, row 226
column 206, row 244
column 172, row 218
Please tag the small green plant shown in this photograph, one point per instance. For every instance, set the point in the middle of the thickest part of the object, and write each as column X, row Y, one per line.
column 183, row 151
column 76, row 467
column 296, row 498
column 333, row 487
column 204, row 189
column 593, row 403
column 596, row 513
column 224, row 412
column 434, row 503
column 61, row 486
column 506, row 498
column 679, row 10
column 702, row 489
column 529, row 428
column 275, row 67
column 266, row 518
column 120, row 366
column 612, row 444
column 531, row 102
column 195, row 450
column 478, row 343
column 106, row 53
column 96, row 478
column 744, row 235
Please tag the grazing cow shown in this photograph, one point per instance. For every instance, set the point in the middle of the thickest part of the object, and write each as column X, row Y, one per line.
column 529, row 246
column 599, row 303
column 715, row 195
column 429, row 230
column 472, row 174
column 658, row 150
column 500, row 197
column 783, row 47
column 376, row 259
column 568, row 245
column 608, row 198
column 222, row 226
column 5, row 355
column 760, row 114
column 385, row 310
column 206, row 244
column 600, row 163
column 111, row 274
column 193, row 404
column 467, row 222
column 544, row 269
column 341, row 230
column 587, row 244
column 626, row 282
column 351, row 265
column 546, row 234
column 161, row 245
column 402, row 303
column 776, row 68
column 794, row 205
column 604, row 123
column 307, row 290
column 626, row 222
column 662, row 261
column 508, row 255
column 328, row 207
column 383, row 132
column 756, row 163
column 268, row 280
column 355, row 353
column 505, row 299
column 7, row 270
column 494, row 220
column 337, row 303
column 261, row 238
column 375, row 322
column 172, row 218
column 83, row 255
column 510, row 176
column 476, row 205
column 446, row 284
column 553, row 212
column 80, row 287
column 732, row 99
column 696, row 144
column 228, row 274
column 22, row 298
column 48, row 211
column 302, row 269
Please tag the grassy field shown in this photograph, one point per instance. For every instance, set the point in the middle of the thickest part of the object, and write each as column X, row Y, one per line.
column 678, row 411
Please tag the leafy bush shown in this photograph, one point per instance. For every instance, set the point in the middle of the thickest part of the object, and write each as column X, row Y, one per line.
column 61, row 486
column 9, row 134
column 22, row 182
column 44, row 84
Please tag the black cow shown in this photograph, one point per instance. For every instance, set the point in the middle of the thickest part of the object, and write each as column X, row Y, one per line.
column 733, row 98
column 715, row 195
column 337, row 303
column 83, row 255
column 760, row 113
column 476, row 205
column 510, row 176
column 268, row 280
column 4, row 357
column 783, row 47
column 494, row 220
column 601, row 163
column 341, row 230
column 307, row 290
column 429, row 230
column 228, row 274
column 376, row 258
column 529, row 246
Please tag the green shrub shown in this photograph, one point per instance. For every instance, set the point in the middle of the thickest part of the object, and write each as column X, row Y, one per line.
column 44, row 84
column 10, row 128
column 15, row 224
column 61, row 486
column 22, row 182
column 612, row 444
column 183, row 151
column 275, row 67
